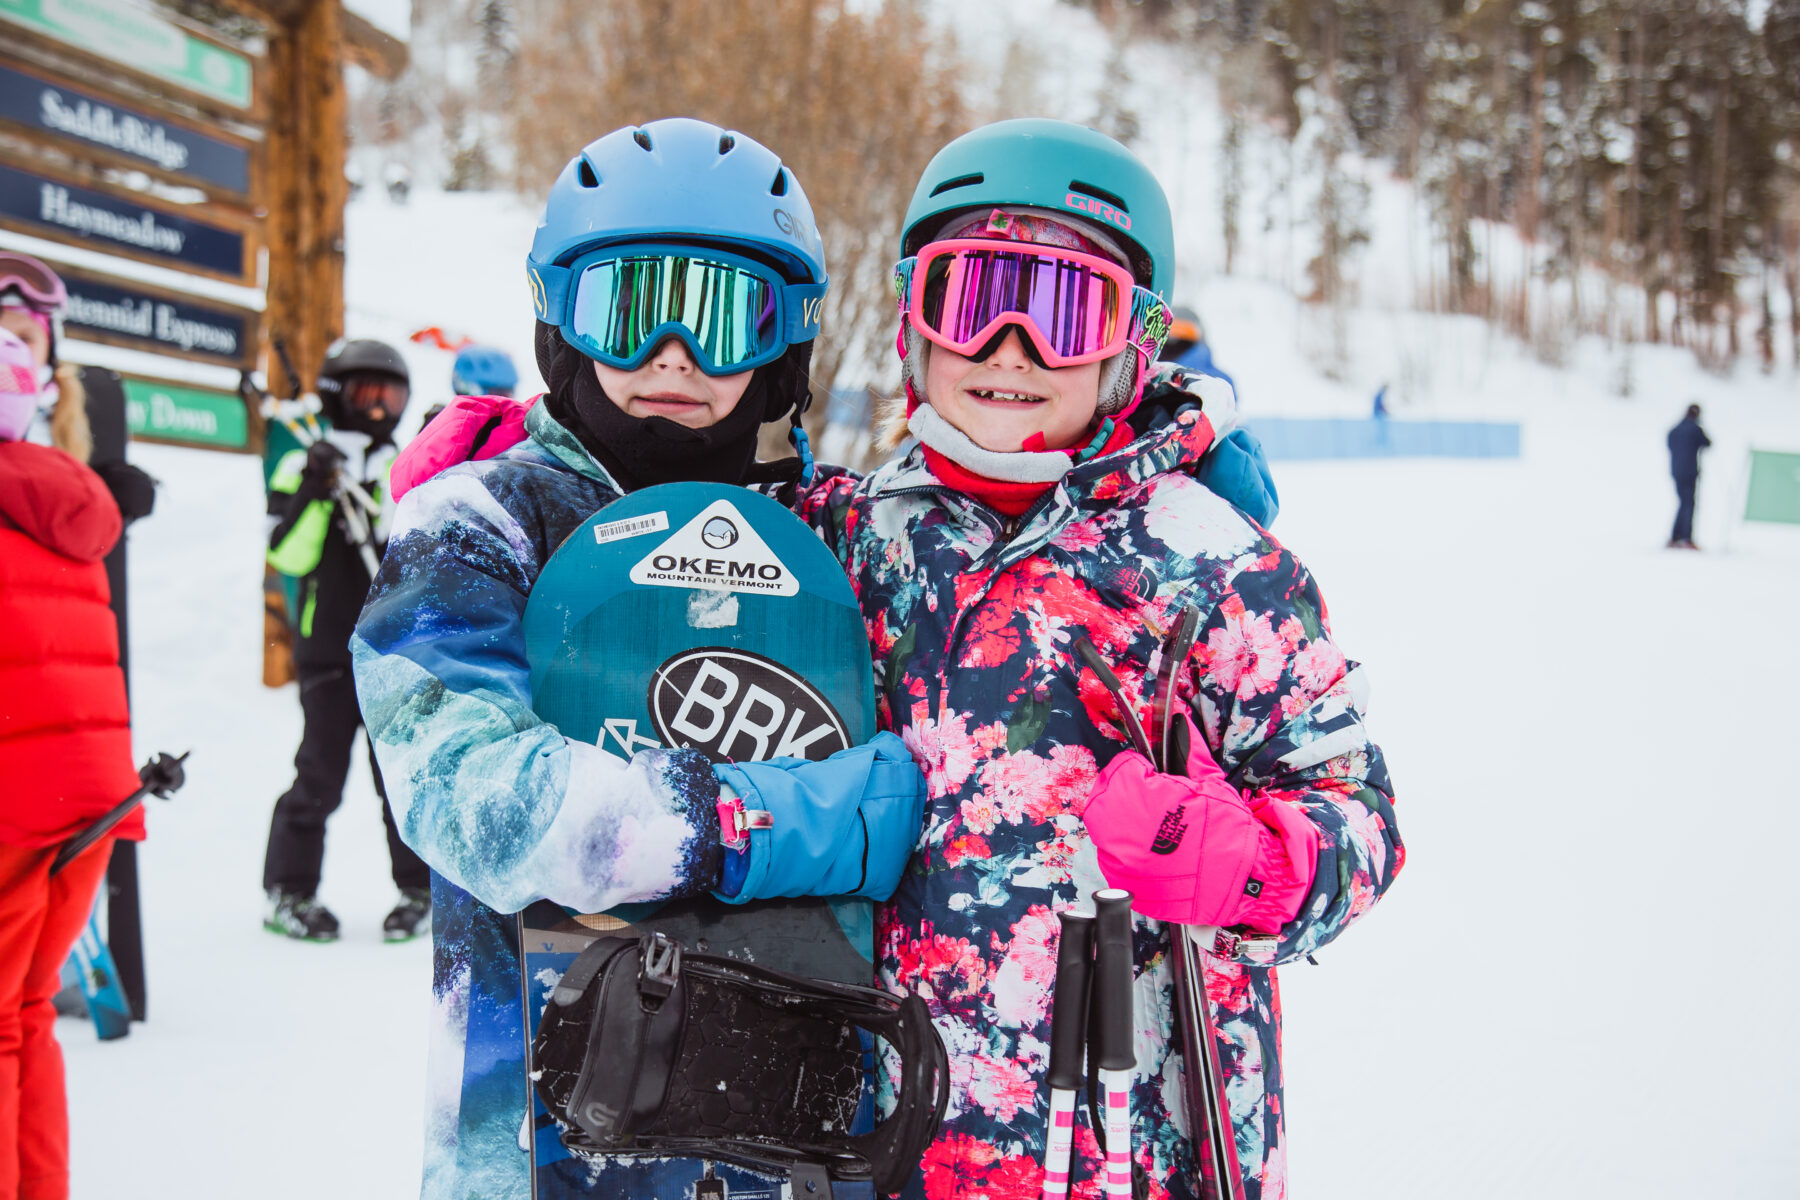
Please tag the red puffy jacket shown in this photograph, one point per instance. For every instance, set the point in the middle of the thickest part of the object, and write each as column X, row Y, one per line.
column 65, row 730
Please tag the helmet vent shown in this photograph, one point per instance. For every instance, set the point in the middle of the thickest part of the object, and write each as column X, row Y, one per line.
column 959, row 181
column 584, row 174
column 641, row 138
column 1088, row 189
column 726, row 142
column 779, row 187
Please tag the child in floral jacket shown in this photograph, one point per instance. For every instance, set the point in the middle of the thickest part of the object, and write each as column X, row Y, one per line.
column 1050, row 500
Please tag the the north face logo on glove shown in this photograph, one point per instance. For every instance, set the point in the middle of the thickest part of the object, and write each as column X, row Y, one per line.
column 1168, row 836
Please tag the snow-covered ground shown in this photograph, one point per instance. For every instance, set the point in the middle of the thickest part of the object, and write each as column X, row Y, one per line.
column 1580, row 986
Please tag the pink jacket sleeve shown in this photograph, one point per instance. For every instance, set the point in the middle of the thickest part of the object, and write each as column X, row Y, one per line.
column 470, row 428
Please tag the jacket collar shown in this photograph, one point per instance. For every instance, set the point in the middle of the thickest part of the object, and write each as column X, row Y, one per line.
column 1178, row 445
column 562, row 445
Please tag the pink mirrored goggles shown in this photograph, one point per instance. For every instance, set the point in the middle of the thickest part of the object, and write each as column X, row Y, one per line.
column 1076, row 308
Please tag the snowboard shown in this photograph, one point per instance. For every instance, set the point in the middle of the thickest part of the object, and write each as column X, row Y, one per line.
column 124, row 942
column 92, row 970
column 703, row 616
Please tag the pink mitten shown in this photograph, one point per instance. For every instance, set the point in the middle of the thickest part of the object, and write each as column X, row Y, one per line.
column 1192, row 850
column 470, row 429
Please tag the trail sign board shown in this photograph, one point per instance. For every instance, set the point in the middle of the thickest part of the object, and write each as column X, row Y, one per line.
column 180, row 412
column 136, row 37
column 127, row 313
column 90, row 122
column 82, row 216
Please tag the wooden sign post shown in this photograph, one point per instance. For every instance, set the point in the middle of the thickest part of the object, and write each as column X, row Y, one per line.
column 99, row 96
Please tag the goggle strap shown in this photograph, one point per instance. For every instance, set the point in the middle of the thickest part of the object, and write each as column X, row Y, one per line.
column 550, row 291
column 804, row 304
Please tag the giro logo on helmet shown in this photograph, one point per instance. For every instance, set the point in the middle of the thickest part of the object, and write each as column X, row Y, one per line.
column 796, row 226
column 1096, row 207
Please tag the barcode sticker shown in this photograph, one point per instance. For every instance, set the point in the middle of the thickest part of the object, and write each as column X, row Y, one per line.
column 612, row 531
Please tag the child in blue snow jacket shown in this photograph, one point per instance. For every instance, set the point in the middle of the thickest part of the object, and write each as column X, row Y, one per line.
column 1053, row 498
column 505, row 809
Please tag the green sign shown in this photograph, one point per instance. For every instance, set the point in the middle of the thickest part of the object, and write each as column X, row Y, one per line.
column 1774, row 487
column 132, row 35
column 186, row 414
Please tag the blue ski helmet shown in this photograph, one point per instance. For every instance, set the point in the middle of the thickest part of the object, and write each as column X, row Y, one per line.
column 483, row 371
column 678, row 179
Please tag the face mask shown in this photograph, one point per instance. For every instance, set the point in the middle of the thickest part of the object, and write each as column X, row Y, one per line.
column 19, row 387
column 16, row 412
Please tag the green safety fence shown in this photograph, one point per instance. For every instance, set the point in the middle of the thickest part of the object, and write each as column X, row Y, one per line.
column 1774, row 492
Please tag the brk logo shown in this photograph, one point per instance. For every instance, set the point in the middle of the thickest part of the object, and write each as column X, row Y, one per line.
column 736, row 705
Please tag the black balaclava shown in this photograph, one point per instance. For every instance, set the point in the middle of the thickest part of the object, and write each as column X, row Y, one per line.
column 642, row 451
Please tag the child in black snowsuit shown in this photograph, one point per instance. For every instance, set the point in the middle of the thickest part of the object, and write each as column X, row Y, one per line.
column 324, row 538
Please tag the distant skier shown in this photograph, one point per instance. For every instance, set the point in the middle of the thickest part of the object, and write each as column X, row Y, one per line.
column 363, row 387
column 1187, row 345
column 65, row 759
column 1686, row 441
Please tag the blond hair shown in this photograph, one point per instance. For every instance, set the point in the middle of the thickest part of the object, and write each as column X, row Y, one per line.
column 69, row 429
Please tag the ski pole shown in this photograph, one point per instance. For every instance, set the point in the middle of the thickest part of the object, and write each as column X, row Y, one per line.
column 293, row 377
column 1134, row 729
column 1205, row 1094
column 161, row 775
column 1068, row 1036
column 1110, row 1048
column 1203, row 1087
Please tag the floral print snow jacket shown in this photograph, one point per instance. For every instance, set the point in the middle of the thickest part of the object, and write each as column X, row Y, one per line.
column 971, row 619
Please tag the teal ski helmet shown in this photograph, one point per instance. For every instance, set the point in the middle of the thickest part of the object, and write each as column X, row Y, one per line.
column 1034, row 162
column 1062, row 169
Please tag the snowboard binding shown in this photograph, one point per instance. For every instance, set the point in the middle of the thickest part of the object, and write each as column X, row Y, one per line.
column 646, row 1049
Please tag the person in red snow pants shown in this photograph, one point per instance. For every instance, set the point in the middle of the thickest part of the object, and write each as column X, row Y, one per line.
column 65, row 758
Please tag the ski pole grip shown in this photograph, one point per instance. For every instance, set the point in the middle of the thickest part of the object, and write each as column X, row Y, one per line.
column 1069, row 1003
column 1112, row 992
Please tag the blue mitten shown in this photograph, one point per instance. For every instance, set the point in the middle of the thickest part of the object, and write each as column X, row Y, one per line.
column 841, row 827
column 1235, row 470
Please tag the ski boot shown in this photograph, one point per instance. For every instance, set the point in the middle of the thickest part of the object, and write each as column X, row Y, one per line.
column 410, row 918
column 300, row 916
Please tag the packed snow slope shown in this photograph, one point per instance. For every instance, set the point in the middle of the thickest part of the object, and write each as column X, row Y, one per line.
column 1580, row 986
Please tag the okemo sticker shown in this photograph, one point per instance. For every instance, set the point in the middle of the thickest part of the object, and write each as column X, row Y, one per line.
column 733, row 705
column 717, row 549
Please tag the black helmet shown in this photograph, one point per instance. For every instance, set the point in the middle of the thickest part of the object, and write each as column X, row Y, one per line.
column 364, row 354
column 364, row 385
